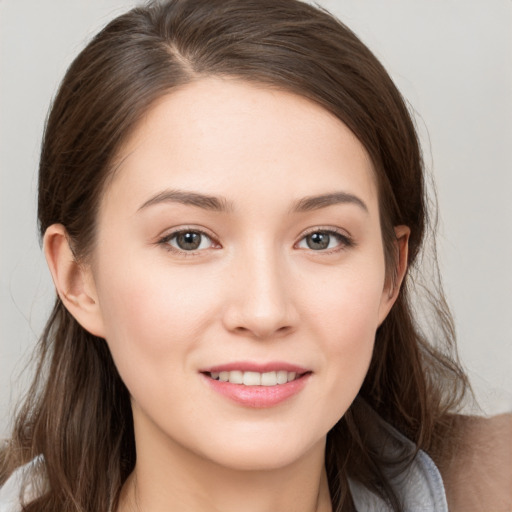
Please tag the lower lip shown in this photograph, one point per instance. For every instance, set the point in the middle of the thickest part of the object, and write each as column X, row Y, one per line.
column 258, row 396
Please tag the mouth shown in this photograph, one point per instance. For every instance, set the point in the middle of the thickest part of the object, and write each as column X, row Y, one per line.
column 252, row 378
column 257, row 385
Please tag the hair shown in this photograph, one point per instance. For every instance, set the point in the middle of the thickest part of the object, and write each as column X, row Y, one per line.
column 77, row 413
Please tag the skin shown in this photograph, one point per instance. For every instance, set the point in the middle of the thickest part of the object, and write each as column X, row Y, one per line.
column 253, row 291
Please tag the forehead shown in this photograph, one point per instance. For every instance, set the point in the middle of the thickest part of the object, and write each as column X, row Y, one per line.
column 225, row 136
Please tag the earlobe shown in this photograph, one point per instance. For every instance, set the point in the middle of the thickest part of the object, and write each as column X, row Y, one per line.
column 394, row 282
column 73, row 281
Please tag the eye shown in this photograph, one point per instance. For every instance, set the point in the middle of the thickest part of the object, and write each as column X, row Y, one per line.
column 322, row 240
column 188, row 240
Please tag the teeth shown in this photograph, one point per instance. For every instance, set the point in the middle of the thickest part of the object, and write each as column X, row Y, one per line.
column 255, row 378
column 251, row 379
column 282, row 377
column 236, row 377
column 269, row 379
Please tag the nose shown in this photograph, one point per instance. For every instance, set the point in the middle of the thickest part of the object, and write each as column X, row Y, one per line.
column 261, row 303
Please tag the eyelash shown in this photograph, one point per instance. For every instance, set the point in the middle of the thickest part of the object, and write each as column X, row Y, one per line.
column 165, row 241
column 345, row 241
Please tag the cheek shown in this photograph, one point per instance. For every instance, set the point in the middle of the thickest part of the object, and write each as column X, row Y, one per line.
column 346, row 315
column 346, row 307
column 154, row 318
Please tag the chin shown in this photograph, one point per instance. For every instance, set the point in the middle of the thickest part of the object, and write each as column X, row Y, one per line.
column 263, row 454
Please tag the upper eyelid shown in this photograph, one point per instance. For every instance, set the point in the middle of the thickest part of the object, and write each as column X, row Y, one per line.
column 325, row 229
column 173, row 232
column 346, row 239
column 165, row 240
column 182, row 254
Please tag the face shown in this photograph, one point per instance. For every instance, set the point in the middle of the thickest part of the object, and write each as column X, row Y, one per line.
column 239, row 273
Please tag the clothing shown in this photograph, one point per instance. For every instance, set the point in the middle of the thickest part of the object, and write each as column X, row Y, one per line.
column 421, row 490
column 420, row 487
column 10, row 493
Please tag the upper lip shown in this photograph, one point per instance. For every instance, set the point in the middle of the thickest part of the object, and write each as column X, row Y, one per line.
column 248, row 366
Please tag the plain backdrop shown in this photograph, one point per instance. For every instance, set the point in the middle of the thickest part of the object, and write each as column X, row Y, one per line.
column 452, row 59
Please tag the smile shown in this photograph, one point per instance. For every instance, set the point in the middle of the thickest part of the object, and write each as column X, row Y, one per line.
column 248, row 378
column 257, row 385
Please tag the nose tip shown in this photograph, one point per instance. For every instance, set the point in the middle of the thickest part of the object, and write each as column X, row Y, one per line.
column 261, row 329
column 257, row 327
column 261, row 304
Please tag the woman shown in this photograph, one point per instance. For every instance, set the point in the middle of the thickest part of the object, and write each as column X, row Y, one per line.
column 231, row 199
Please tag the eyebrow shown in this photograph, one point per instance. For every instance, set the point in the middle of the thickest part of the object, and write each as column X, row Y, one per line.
column 206, row 202
column 310, row 203
column 221, row 204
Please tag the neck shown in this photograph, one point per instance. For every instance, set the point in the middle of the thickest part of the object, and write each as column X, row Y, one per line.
column 173, row 478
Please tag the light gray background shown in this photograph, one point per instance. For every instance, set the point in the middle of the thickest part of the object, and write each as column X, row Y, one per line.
column 452, row 59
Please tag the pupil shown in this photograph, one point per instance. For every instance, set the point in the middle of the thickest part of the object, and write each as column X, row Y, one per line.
column 189, row 241
column 318, row 241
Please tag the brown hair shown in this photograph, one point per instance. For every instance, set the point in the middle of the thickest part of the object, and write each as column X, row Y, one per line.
column 77, row 413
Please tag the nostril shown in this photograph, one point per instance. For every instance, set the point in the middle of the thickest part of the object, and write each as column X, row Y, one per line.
column 259, row 320
column 261, row 331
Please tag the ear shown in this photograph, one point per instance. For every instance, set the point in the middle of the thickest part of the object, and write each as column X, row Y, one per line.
column 394, row 282
column 73, row 280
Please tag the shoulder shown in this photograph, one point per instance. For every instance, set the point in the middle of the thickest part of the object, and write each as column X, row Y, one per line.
column 478, row 474
column 24, row 485
column 419, row 487
column 410, row 472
